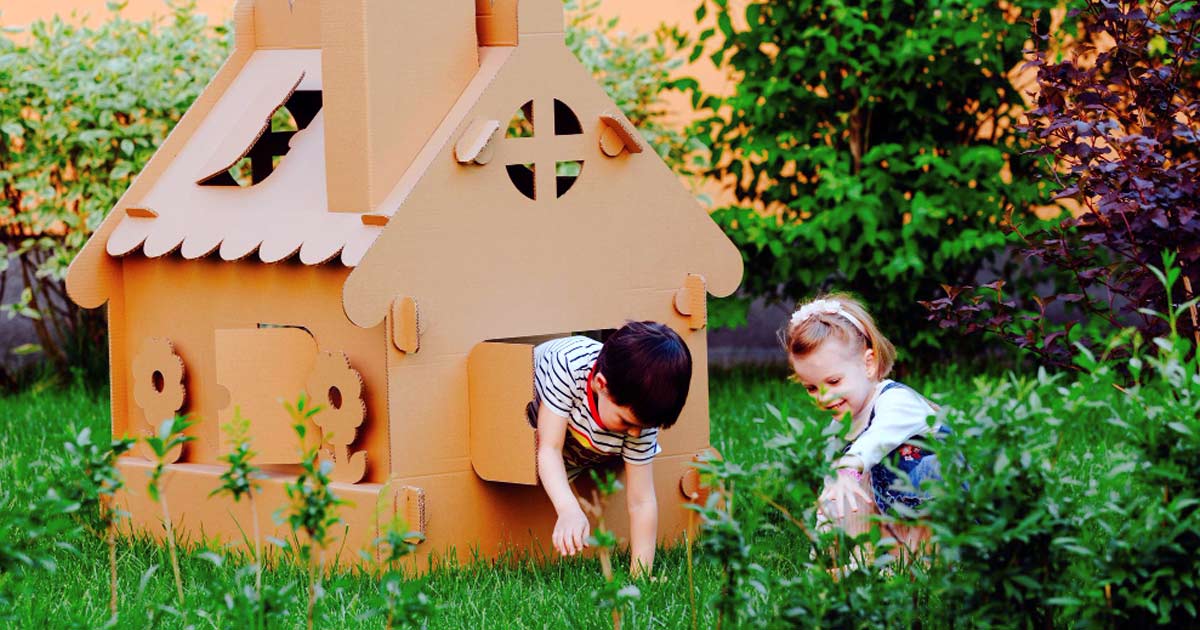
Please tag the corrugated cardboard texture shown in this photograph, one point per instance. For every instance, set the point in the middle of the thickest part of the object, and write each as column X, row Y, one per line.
column 462, row 513
column 277, row 217
column 94, row 276
column 337, row 387
column 393, row 70
column 287, row 23
column 503, row 445
column 260, row 368
column 188, row 301
column 158, row 389
column 401, row 84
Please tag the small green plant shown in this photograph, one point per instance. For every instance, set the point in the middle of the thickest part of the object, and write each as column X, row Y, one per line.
column 239, row 601
column 32, row 527
column 238, row 479
column 613, row 594
column 314, row 506
column 99, row 481
column 171, row 436
column 406, row 604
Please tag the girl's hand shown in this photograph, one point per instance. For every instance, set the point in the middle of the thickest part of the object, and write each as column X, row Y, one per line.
column 844, row 495
column 571, row 532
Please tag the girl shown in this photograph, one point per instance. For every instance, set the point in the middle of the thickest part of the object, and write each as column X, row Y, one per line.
column 842, row 360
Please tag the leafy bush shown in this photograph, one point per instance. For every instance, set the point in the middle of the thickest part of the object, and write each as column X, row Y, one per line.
column 1119, row 117
column 81, row 110
column 1068, row 498
column 634, row 70
column 869, row 144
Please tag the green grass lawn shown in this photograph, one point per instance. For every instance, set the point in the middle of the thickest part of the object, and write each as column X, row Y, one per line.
column 518, row 592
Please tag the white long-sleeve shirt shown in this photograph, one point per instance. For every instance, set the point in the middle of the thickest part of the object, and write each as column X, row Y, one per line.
column 898, row 414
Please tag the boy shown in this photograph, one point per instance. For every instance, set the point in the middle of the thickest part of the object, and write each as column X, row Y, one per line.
column 596, row 403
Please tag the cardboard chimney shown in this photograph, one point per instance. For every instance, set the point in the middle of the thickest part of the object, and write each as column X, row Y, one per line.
column 385, row 204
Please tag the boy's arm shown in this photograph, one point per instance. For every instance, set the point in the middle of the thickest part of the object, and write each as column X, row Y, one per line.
column 571, row 529
column 643, row 517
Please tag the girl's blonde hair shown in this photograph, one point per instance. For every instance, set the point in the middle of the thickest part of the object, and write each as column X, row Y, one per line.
column 841, row 316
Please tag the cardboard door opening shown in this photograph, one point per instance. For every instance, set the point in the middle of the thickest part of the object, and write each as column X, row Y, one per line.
column 272, row 142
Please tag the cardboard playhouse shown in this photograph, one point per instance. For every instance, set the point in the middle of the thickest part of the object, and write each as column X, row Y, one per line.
column 448, row 187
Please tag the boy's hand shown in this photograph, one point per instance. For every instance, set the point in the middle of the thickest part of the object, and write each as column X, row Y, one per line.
column 571, row 532
column 843, row 496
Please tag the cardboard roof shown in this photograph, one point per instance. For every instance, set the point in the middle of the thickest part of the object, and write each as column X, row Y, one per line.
column 643, row 212
column 626, row 222
column 283, row 215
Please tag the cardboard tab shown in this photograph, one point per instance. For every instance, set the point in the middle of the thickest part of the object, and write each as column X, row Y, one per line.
column 500, row 382
column 158, row 389
column 618, row 134
column 692, row 300
column 691, row 484
column 476, row 145
column 407, row 502
column 337, row 388
column 406, row 325
column 261, row 368
column 141, row 213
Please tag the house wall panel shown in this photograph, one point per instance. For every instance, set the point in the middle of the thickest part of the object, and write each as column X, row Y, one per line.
column 187, row 301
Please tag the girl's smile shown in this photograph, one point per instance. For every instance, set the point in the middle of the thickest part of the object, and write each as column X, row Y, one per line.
column 840, row 376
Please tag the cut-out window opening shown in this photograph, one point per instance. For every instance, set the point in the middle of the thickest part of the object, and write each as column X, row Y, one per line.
column 522, row 176
column 566, row 172
column 272, row 142
column 521, row 125
column 565, row 175
column 566, row 123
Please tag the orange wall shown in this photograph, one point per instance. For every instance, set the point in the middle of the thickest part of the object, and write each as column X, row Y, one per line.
column 22, row 12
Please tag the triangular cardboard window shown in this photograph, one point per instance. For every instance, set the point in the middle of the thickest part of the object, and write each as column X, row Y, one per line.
column 259, row 156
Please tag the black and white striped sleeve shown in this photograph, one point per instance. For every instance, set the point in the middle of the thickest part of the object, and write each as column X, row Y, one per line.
column 555, row 375
column 641, row 449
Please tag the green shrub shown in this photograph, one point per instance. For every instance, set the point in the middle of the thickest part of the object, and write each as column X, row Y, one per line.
column 1068, row 498
column 1116, row 115
column 81, row 111
column 634, row 69
column 877, row 136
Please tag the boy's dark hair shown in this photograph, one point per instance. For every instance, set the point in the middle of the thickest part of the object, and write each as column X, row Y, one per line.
column 649, row 369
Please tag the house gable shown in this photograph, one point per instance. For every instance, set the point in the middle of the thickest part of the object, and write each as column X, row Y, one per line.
column 625, row 224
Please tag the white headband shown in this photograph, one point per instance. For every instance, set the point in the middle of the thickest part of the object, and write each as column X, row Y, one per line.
column 825, row 307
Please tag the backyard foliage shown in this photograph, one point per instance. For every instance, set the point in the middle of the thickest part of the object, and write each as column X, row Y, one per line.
column 1078, row 505
column 1118, row 121
column 1063, row 501
column 870, row 144
column 81, row 110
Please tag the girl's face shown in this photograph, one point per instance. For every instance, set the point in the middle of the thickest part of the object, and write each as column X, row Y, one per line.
column 840, row 377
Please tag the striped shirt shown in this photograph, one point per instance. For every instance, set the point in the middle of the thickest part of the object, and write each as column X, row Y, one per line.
column 561, row 371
